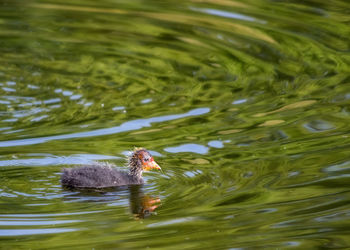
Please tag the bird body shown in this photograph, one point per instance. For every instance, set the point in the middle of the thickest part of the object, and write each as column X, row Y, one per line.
column 103, row 175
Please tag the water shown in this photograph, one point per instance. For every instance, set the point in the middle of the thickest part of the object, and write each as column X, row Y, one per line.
column 244, row 104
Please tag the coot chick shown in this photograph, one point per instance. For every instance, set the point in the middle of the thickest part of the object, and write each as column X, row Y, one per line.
column 103, row 175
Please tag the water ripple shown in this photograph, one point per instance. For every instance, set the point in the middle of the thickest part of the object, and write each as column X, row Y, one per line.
column 245, row 102
column 229, row 15
column 19, row 232
column 127, row 126
column 56, row 160
column 191, row 147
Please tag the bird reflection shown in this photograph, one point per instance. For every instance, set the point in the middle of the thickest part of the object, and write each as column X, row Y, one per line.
column 141, row 205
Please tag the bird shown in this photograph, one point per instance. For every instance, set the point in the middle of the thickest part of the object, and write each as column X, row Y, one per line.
column 104, row 175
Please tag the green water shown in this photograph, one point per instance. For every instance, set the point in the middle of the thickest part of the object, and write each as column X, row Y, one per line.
column 244, row 104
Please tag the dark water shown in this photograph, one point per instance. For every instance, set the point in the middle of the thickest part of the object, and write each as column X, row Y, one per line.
column 244, row 104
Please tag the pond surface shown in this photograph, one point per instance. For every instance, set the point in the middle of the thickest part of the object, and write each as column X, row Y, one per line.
column 244, row 104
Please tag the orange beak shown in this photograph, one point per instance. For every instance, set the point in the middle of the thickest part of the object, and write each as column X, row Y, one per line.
column 150, row 165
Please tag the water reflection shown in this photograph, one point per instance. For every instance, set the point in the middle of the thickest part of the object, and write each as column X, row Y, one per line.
column 228, row 14
column 141, row 205
column 20, row 232
column 32, row 160
column 126, row 126
column 246, row 103
column 191, row 147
